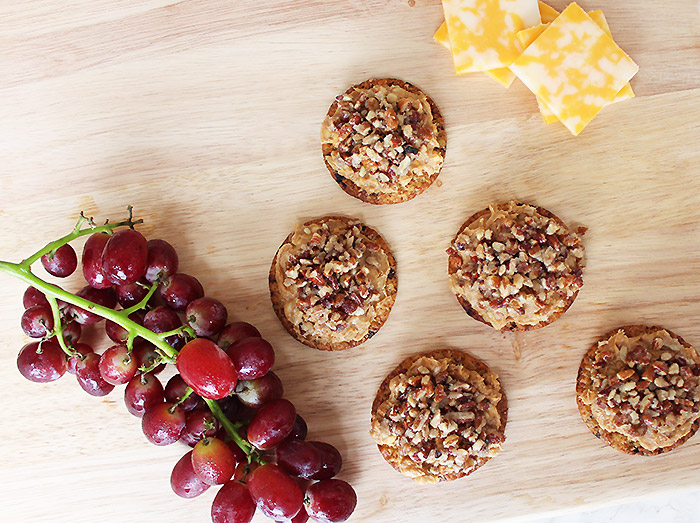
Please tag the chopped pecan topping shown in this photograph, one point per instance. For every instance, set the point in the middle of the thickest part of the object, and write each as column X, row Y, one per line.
column 452, row 419
column 513, row 264
column 381, row 136
column 646, row 387
column 332, row 278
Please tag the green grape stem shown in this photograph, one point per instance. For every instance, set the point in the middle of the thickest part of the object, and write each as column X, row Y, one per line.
column 53, row 293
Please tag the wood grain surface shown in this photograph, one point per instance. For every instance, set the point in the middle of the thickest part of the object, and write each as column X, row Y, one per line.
column 205, row 115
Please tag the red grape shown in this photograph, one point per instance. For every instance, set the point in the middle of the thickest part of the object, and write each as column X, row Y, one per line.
column 163, row 423
column 231, row 407
column 213, row 461
column 255, row 393
column 72, row 361
column 207, row 369
column 161, row 319
column 142, row 392
column 61, row 263
column 199, row 424
column 175, row 389
column 308, row 459
column 92, row 261
column 275, row 493
column 271, row 424
column 72, row 332
column 130, row 294
column 179, row 289
column 146, row 355
column 41, row 362
column 235, row 331
column 117, row 365
column 252, row 357
column 331, row 460
column 233, row 504
column 162, row 260
column 37, row 321
column 124, row 257
column 33, row 297
column 301, row 517
column 183, row 480
column 87, row 371
column 206, row 316
column 299, row 429
column 104, row 297
column 119, row 334
column 330, row 501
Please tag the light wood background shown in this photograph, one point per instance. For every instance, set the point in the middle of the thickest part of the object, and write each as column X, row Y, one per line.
column 205, row 115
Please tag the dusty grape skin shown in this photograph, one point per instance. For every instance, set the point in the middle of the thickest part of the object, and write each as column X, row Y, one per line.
column 37, row 321
column 142, row 392
column 255, row 393
column 41, row 365
column 92, row 261
column 196, row 426
column 117, row 366
column 33, row 297
column 63, row 262
column 179, row 289
column 252, row 357
column 119, row 334
column 72, row 361
column 162, row 427
column 275, row 493
column 105, row 297
column 87, row 371
column 124, row 257
column 271, row 424
column 232, row 504
column 175, row 389
column 298, row 458
column 183, row 479
column 206, row 316
column 72, row 332
column 237, row 330
column 213, row 461
column 207, row 369
column 145, row 354
column 330, row 501
column 130, row 294
column 162, row 260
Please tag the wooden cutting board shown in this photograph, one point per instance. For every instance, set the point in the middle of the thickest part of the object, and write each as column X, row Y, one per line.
column 205, row 115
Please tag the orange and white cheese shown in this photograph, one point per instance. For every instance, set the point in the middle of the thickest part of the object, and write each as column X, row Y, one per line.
column 529, row 35
column 575, row 68
column 503, row 76
column 482, row 32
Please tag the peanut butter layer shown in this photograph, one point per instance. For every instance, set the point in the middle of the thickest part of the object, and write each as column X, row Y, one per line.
column 333, row 279
column 516, row 266
column 644, row 387
column 383, row 137
column 440, row 417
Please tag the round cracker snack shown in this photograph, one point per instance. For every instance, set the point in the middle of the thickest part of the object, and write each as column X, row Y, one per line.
column 638, row 390
column 333, row 282
column 516, row 266
column 384, row 141
column 439, row 416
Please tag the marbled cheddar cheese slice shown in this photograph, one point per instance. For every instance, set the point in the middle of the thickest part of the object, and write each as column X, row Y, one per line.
column 503, row 76
column 575, row 68
column 599, row 18
column 482, row 32
column 527, row 36
column 547, row 13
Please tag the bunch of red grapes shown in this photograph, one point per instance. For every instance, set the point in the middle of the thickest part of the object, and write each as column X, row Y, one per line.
column 225, row 402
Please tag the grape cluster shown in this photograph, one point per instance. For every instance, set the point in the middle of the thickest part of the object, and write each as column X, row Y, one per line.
column 225, row 403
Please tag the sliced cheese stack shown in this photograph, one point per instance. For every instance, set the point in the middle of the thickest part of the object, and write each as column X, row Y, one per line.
column 568, row 60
